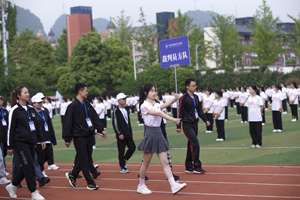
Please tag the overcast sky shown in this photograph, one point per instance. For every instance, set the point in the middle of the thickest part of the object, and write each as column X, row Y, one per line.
column 49, row 10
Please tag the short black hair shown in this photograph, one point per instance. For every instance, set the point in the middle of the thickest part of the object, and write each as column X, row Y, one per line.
column 188, row 81
column 79, row 87
column 218, row 92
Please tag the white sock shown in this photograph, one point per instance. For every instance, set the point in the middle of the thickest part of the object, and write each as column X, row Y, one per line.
column 142, row 182
column 171, row 181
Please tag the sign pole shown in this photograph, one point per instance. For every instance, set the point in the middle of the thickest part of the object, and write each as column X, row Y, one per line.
column 176, row 65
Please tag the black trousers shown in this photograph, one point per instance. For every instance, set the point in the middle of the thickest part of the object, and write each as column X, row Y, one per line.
column 226, row 112
column 266, row 103
column 121, row 148
column 26, row 155
column 238, row 108
column 277, row 121
column 92, row 169
column 294, row 111
column 231, row 103
column 169, row 109
column 103, row 121
column 62, row 119
column 220, row 129
column 284, row 106
column 263, row 116
column 108, row 113
column 193, row 147
column 270, row 99
column 244, row 112
column 132, row 109
column 84, row 150
column 140, row 118
column 210, row 118
column 255, row 132
column 43, row 155
column 174, row 112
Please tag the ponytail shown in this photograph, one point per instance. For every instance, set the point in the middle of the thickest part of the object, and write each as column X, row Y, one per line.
column 14, row 95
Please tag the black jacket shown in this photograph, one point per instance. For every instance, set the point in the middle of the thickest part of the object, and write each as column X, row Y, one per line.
column 187, row 109
column 18, row 127
column 75, row 124
column 3, row 129
column 49, row 135
column 119, row 124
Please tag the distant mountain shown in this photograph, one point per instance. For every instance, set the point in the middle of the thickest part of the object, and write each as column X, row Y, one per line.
column 201, row 18
column 59, row 25
column 26, row 19
column 100, row 24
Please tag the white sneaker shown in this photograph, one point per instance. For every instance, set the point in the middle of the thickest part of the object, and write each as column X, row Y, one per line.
column 252, row 146
column 96, row 166
column 278, row 130
column 53, row 167
column 4, row 181
column 94, row 147
column 143, row 190
column 245, row 122
column 262, row 124
column 257, row 146
column 44, row 173
column 274, row 130
column 221, row 139
column 6, row 174
column 217, row 139
column 36, row 195
column 293, row 120
column 108, row 118
column 11, row 189
column 226, row 120
column 206, row 131
column 178, row 187
column 242, row 122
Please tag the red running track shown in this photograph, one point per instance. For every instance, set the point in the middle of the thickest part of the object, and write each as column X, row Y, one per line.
column 224, row 182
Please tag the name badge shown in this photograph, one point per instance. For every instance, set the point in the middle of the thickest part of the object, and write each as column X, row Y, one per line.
column 46, row 127
column 196, row 114
column 4, row 122
column 31, row 125
column 89, row 123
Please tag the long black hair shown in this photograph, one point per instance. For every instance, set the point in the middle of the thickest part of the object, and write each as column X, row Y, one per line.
column 144, row 91
column 255, row 88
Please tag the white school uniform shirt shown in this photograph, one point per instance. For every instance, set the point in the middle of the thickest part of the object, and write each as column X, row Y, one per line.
column 57, row 104
column 98, row 108
column 69, row 102
column 49, row 108
column 225, row 98
column 53, row 104
column 254, row 111
column 244, row 98
column 284, row 91
column 150, row 120
column 8, row 108
column 217, row 106
column 174, row 105
column 237, row 94
column 276, row 98
column 292, row 94
column 264, row 96
column 207, row 102
column 199, row 96
column 165, row 121
column 108, row 104
column 63, row 108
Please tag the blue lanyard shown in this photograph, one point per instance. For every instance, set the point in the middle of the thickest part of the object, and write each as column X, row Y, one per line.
column 28, row 113
column 2, row 113
column 124, row 116
column 193, row 101
column 41, row 115
column 84, row 108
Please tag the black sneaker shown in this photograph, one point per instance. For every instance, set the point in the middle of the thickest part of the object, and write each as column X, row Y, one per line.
column 43, row 181
column 92, row 187
column 189, row 170
column 96, row 175
column 146, row 177
column 176, row 177
column 79, row 176
column 71, row 179
column 199, row 170
column 19, row 186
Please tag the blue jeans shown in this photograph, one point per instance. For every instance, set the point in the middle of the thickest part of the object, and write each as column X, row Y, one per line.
column 16, row 166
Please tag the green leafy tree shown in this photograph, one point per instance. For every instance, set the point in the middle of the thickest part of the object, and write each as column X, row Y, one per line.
column 295, row 41
column 11, row 22
column 266, row 42
column 159, row 77
column 196, row 39
column 225, row 47
column 182, row 74
column 124, row 30
column 61, row 51
column 182, row 25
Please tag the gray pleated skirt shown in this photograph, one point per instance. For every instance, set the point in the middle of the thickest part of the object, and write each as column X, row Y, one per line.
column 154, row 141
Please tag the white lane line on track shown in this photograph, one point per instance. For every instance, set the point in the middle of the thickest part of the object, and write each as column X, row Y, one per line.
column 10, row 198
column 188, row 193
column 184, row 181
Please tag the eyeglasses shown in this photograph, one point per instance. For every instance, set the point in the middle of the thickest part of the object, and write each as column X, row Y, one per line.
column 195, row 86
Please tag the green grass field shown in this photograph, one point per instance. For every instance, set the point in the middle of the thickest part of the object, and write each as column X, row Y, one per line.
column 279, row 148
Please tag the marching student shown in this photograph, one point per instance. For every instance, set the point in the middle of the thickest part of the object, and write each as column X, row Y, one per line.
column 255, row 104
column 265, row 101
column 22, row 136
column 237, row 101
column 108, row 100
column 57, row 106
column 122, row 127
column 225, row 98
column 284, row 101
column 231, row 97
column 174, row 105
column 99, row 107
column 49, row 107
column 244, row 104
column 189, row 111
column 80, row 123
column 46, row 126
column 293, row 100
column 277, row 99
column 154, row 141
column 219, row 114
column 3, row 179
column 63, row 109
column 208, row 109
column 3, row 129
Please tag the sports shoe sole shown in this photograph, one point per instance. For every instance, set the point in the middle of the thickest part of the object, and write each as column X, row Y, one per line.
column 195, row 172
column 92, row 188
column 67, row 175
column 180, row 189
column 189, row 172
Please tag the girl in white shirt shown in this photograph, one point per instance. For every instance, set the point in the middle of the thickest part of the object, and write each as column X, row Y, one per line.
column 255, row 104
column 100, row 109
column 219, row 114
column 277, row 98
column 208, row 109
column 237, row 101
column 8, row 106
column 154, row 141
column 63, row 109
column 284, row 101
column 244, row 104
column 49, row 107
column 293, row 101
column 265, row 101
